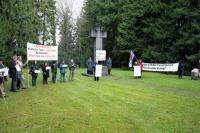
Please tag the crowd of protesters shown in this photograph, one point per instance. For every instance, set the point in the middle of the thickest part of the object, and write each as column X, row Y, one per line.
column 15, row 72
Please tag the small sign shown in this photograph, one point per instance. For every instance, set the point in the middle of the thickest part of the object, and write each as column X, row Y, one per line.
column 37, row 71
column 98, row 71
column 6, row 71
column 101, row 55
column 48, row 68
column 137, row 71
column 65, row 65
column 18, row 68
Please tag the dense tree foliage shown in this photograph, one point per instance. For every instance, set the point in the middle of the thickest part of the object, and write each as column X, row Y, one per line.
column 23, row 21
column 157, row 30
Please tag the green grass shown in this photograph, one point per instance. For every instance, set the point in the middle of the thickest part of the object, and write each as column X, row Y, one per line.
column 157, row 103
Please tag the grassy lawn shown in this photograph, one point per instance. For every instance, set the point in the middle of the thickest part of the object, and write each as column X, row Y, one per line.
column 157, row 103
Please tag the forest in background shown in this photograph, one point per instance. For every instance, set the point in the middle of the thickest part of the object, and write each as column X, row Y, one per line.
column 159, row 31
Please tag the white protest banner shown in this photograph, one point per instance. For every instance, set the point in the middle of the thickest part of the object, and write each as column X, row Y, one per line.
column 156, row 67
column 41, row 52
column 137, row 71
column 101, row 55
column 98, row 71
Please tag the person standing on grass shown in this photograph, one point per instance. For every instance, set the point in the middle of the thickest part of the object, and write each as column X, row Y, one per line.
column 109, row 65
column 95, row 77
column 141, row 66
column 21, row 79
column 54, row 71
column 199, row 65
column 180, row 70
column 72, row 69
column 89, row 66
column 2, row 93
column 45, row 73
column 62, row 71
column 13, row 73
column 199, row 68
column 33, row 73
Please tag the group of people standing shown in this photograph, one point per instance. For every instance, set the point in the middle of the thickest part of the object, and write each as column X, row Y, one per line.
column 91, row 67
column 53, row 67
column 16, row 73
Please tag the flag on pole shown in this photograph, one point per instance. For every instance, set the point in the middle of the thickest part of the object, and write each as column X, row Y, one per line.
column 131, row 59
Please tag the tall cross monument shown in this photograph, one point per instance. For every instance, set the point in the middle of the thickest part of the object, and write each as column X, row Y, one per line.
column 99, row 34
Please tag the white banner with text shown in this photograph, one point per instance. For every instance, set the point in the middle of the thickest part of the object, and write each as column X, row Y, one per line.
column 41, row 52
column 101, row 55
column 156, row 67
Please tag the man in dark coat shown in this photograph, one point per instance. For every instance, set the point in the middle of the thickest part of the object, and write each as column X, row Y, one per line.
column 109, row 65
column 54, row 71
column 13, row 73
column 180, row 70
column 45, row 73
column 89, row 66
column 33, row 73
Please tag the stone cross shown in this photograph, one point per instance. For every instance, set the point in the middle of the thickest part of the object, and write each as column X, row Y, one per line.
column 99, row 34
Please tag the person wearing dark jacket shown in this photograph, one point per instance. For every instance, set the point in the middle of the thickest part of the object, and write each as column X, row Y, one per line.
column 72, row 69
column 13, row 74
column 45, row 73
column 89, row 66
column 109, row 65
column 54, row 71
column 180, row 70
column 33, row 73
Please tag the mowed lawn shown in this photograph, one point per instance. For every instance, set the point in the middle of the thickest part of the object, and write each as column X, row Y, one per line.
column 157, row 103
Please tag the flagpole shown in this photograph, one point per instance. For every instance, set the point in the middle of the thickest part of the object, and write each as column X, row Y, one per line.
column 135, row 56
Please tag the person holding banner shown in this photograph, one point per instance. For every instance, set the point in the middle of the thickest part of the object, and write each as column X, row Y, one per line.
column 2, row 93
column 96, row 76
column 45, row 72
column 72, row 67
column 34, row 73
column 13, row 73
column 62, row 67
column 54, row 71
